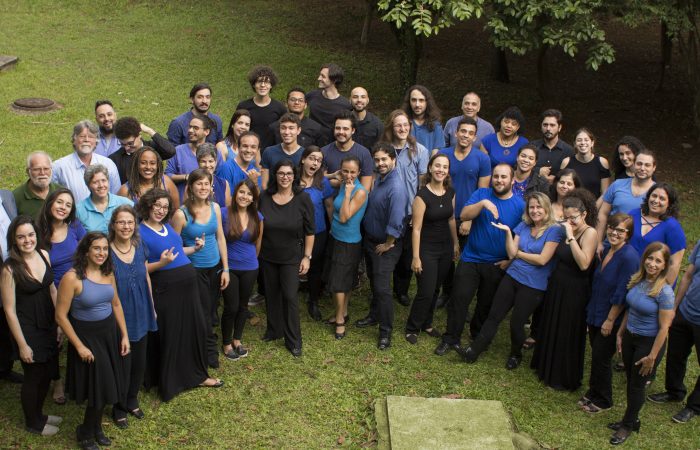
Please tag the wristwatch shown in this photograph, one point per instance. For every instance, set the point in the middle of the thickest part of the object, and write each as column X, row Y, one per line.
column 308, row 257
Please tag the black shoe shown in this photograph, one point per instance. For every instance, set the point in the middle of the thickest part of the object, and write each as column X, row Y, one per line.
column 443, row 347
column 232, row 355
column 617, row 425
column 662, row 397
column 339, row 336
column 513, row 362
column 314, row 313
column 384, row 343
column 470, row 355
column 412, row 338
column 366, row 322
column 102, row 440
column 13, row 377
column 296, row 352
column 683, row 415
column 623, row 433
column 85, row 441
column 268, row 338
column 122, row 422
column 442, row 301
column 136, row 412
column 619, row 367
column 403, row 299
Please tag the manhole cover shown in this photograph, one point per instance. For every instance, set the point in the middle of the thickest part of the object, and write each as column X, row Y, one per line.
column 34, row 105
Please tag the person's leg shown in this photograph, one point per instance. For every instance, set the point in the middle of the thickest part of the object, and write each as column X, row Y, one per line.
column 370, row 257
column 502, row 303
column 205, row 279
column 402, row 271
column 315, row 282
column 426, row 283
column 466, row 282
column 634, row 348
column 136, row 373
column 443, row 263
column 693, row 400
column 527, row 300
column 273, row 300
column 289, row 280
column 231, row 304
column 6, row 361
column 680, row 344
column 31, row 395
column 246, row 283
column 488, row 277
column 382, row 267
column 602, row 350
column 449, row 281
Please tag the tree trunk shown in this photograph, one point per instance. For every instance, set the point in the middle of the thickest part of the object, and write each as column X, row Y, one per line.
column 369, row 14
column 410, row 49
column 543, row 73
column 499, row 66
column 666, row 51
column 689, row 47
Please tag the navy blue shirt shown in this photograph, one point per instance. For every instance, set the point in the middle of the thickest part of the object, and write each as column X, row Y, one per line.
column 465, row 174
column 610, row 284
column 274, row 154
column 690, row 303
column 177, row 130
column 386, row 208
column 318, row 196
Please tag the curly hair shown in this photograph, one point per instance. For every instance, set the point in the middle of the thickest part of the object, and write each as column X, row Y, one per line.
column 583, row 201
column 630, row 142
column 147, row 200
column 513, row 113
column 262, row 72
column 80, row 259
column 135, row 178
column 432, row 112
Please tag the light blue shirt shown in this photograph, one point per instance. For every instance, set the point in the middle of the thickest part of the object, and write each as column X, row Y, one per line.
column 106, row 147
column 70, row 171
column 94, row 220
column 411, row 167
column 619, row 196
column 483, row 128
column 429, row 139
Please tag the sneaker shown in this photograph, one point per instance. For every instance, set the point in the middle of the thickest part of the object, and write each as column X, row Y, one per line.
column 683, row 415
column 54, row 420
column 241, row 351
column 255, row 300
column 232, row 355
column 48, row 430
column 412, row 338
column 662, row 397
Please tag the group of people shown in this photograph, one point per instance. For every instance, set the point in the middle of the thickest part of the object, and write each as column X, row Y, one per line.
column 126, row 245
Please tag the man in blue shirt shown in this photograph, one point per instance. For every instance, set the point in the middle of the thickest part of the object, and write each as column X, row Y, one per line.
column 200, row 97
column 384, row 225
column 289, row 148
column 106, row 118
column 424, row 113
column 484, row 258
column 243, row 165
column 471, row 105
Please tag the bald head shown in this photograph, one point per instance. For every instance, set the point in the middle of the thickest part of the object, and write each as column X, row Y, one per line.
column 359, row 99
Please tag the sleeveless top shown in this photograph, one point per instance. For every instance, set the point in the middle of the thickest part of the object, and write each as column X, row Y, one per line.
column 94, row 302
column 438, row 212
column 208, row 256
column 590, row 173
column 348, row 232
column 61, row 253
column 158, row 242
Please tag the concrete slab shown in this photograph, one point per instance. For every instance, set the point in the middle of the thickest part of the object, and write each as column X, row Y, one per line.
column 7, row 62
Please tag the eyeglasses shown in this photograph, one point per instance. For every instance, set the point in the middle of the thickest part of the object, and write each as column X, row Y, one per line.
column 263, row 82
column 315, row 159
column 159, row 207
column 40, row 170
column 285, row 174
column 572, row 218
column 617, row 230
column 129, row 144
column 125, row 223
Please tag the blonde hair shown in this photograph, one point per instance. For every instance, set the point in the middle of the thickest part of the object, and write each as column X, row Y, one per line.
column 544, row 202
column 641, row 274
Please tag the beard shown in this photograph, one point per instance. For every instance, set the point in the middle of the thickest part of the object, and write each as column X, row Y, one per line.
column 104, row 130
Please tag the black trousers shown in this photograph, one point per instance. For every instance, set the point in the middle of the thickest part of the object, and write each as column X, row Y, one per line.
column 209, row 283
column 402, row 272
column 379, row 271
column 523, row 300
column 603, row 348
column 448, row 283
column 634, row 348
column 6, row 360
column 436, row 260
column 315, row 274
column 37, row 378
column 682, row 336
column 236, row 304
column 282, row 302
column 470, row 278
column 135, row 368
column 92, row 423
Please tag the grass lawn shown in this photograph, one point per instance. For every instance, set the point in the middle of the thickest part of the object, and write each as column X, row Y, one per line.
column 145, row 56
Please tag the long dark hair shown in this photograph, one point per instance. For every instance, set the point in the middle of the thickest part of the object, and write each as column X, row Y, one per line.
column 562, row 173
column 235, row 229
column 583, row 201
column 673, row 209
column 80, row 260
column 135, row 179
column 428, row 175
column 630, row 142
column 147, row 200
column 15, row 261
column 194, row 176
column 318, row 176
column 45, row 222
column 272, row 181
column 230, row 138
column 432, row 112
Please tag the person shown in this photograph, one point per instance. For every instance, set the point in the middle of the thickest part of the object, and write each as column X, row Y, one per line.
column 471, row 105
column 433, row 219
column 326, row 103
column 604, row 310
column 526, row 178
column 243, row 166
column 285, row 252
column 321, row 194
column 531, row 248
column 502, row 146
column 564, row 182
column 69, row 171
column 551, row 149
column 30, row 196
column 682, row 336
column 134, row 290
column 345, row 242
column 128, row 131
column 198, row 222
column 8, row 211
column 642, row 335
column 177, row 355
column 146, row 174
column 28, row 299
column 207, row 160
column 482, row 263
column 424, row 114
column 593, row 170
column 239, row 124
column 368, row 127
column 384, row 226
column 262, row 108
column 90, row 314
column 105, row 118
column 243, row 227
column 95, row 211
column 310, row 129
column 289, row 148
column 622, row 160
column 200, row 98
column 657, row 220
column 344, row 146
column 561, row 339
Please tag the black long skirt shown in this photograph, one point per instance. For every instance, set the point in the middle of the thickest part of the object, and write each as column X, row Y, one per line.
column 177, row 355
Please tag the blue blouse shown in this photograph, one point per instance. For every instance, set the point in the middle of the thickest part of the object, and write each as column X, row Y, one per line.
column 528, row 274
column 318, row 196
column 610, row 284
column 643, row 315
column 242, row 253
column 499, row 154
column 348, row 232
column 135, row 297
column 690, row 304
column 669, row 232
column 94, row 302
column 158, row 242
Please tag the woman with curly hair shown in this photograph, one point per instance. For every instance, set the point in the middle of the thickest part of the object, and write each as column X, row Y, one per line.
column 147, row 173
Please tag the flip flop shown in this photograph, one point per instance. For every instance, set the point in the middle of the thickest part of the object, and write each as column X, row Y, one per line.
column 218, row 384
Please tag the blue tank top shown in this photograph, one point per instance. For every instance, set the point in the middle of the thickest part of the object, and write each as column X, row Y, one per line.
column 158, row 242
column 94, row 302
column 209, row 255
column 348, row 232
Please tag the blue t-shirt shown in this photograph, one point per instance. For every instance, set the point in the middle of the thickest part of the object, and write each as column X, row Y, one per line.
column 486, row 243
column 528, row 274
column 333, row 157
column 465, row 174
column 242, row 254
column 318, row 196
column 179, row 126
column 163, row 240
column 483, row 128
column 208, row 256
column 610, row 284
column 669, row 232
column 61, row 253
column 429, row 139
column 690, row 304
column 274, row 154
column 643, row 315
column 232, row 172
column 348, row 232
column 619, row 196
column 499, row 154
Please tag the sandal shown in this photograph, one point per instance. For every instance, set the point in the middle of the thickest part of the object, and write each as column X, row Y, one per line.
column 591, row 408
column 60, row 397
column 583, row 401
column 217, row 384
column 529, row 343
column 433, row 333
column 137, row 413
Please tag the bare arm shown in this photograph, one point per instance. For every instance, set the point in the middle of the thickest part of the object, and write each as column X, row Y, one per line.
column 585, row 252
column 684, row 284
column 70, row 287
column 7, row 288
column 350, row 205
column 366, row 181
column 265, row 174
column 674, row 266
column 647, row 363
column 418, row 213
column 223, row 251
column 483, row 182
column 172, row 190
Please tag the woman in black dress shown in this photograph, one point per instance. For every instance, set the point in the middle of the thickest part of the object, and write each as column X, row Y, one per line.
column 558, row 357
column 594, row 170
column 285, row 252
column 28, row 297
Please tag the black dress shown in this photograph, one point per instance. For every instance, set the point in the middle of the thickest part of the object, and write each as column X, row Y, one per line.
column 561, row 344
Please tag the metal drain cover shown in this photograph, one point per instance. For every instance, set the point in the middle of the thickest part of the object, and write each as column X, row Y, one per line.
column 34, row 105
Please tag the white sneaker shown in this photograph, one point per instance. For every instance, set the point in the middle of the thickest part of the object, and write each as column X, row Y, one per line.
column 54, row 420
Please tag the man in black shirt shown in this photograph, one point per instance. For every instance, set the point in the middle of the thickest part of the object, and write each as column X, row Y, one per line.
column 310, row 129
column 128, row 131
column 551, row 150
column 369, row 128
column 326, row 103
column 263, row 109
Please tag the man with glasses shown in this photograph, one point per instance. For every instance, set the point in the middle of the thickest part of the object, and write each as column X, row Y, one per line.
column 289, row 148
column 128, row 131
column 200, row 97
column 310, row 129
column 263, row 109
column 30, row 196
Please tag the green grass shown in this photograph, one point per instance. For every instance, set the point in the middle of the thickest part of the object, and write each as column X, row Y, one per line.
column 145, row 56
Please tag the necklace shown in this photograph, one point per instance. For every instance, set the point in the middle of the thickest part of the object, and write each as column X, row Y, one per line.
column 116, row 247
column 507, row 143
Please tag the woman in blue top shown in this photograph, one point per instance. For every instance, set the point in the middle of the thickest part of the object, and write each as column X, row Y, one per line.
column 134, row 289
column 503, row 145
column 657, row 220
column 177, row 351
column 243, row 226
column 530, row 247
column 199, row 220
column 97, row 333
column 206, row 158
column 239, row 124
column 603, row 312
column 642, row 334
column 321, row 193
column 345, row 244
